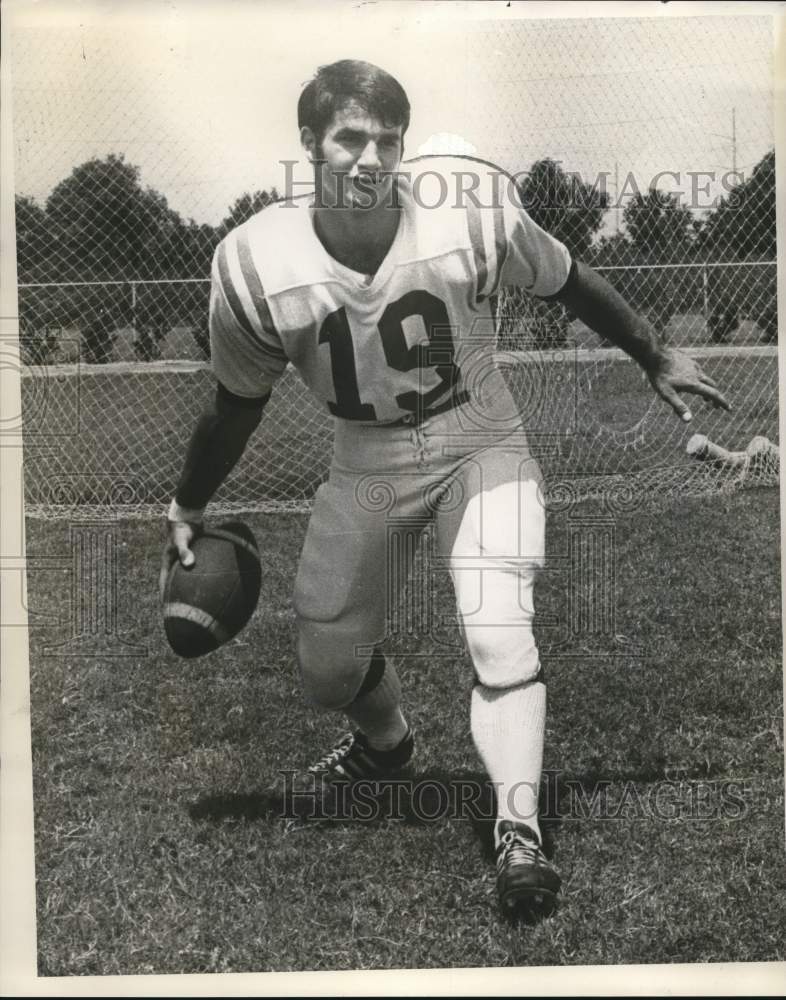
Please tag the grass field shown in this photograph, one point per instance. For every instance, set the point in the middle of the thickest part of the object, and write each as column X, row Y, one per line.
column 156, row 850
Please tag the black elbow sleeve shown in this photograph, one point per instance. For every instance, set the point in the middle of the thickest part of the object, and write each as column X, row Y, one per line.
column 567, row 288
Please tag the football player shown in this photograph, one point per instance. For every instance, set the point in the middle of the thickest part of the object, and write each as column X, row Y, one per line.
column 378, row 289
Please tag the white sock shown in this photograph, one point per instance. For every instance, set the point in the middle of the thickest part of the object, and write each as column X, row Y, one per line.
column 378, row 714
column 508, row 726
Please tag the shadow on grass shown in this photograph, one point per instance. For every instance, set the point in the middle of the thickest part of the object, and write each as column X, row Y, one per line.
column 419, row 798
column 425, row 798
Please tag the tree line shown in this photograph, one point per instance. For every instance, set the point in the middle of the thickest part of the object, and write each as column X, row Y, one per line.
column 100, row 224
column 102, row 229
column 658, row 229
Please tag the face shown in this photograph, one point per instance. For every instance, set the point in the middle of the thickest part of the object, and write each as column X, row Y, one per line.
column 359, row 156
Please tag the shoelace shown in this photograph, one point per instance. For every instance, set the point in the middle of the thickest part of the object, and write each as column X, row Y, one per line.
column 334, row 756
column 517, row 850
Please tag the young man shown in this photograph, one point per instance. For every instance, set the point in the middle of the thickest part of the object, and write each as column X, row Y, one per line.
column 377, row 289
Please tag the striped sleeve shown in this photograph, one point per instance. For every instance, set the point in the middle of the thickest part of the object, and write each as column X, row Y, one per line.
column 534, row 260
column 489, row 246
column 245, row 348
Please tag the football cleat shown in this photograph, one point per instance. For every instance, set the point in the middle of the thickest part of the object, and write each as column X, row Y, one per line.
column 526, row 882
column 324, row 790
column 352, row 759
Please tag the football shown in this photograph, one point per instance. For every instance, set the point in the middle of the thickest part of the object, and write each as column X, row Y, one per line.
column 208, row 603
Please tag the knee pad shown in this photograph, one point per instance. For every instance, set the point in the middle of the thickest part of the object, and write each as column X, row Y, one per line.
column 497, row 555
column 503, row 658
column 497, row 610
column 331, row 670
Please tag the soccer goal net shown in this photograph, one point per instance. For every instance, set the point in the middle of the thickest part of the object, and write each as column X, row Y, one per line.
column 674, row 204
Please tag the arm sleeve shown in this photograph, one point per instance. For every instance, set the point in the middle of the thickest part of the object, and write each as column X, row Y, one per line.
column 246, row 353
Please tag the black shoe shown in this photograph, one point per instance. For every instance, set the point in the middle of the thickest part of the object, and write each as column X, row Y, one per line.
column 353, row 759
column 324, row 790
column 526, row 882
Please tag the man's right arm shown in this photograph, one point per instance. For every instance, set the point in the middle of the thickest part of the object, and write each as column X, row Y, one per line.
column 247, row 357
column 217, row 443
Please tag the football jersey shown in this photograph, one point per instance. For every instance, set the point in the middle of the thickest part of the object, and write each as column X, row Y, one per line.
column 415, row 337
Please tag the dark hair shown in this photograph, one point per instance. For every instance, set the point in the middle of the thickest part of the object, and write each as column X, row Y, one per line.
column 351, row 81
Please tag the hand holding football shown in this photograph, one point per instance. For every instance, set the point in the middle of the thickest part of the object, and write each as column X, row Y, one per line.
column 207, row 603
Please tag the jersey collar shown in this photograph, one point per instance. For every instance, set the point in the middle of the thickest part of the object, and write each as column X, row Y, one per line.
column 362, row 282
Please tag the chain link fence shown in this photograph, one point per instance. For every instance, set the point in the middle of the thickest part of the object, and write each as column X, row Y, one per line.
column 113, row 279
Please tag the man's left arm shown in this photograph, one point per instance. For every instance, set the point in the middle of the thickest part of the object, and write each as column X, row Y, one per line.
column 590, row 297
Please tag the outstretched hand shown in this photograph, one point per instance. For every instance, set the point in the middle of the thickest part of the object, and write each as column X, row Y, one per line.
column 676, row 372
column 178, row 546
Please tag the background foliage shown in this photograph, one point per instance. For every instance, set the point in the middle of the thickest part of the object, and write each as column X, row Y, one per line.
column 101, row 224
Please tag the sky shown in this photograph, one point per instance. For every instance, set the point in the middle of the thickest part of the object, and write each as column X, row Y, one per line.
column 202, row 96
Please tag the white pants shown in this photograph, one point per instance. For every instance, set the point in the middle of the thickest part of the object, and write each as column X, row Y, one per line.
column 484, row 500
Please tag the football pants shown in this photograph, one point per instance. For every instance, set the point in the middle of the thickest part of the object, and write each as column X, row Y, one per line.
column 386, row 484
